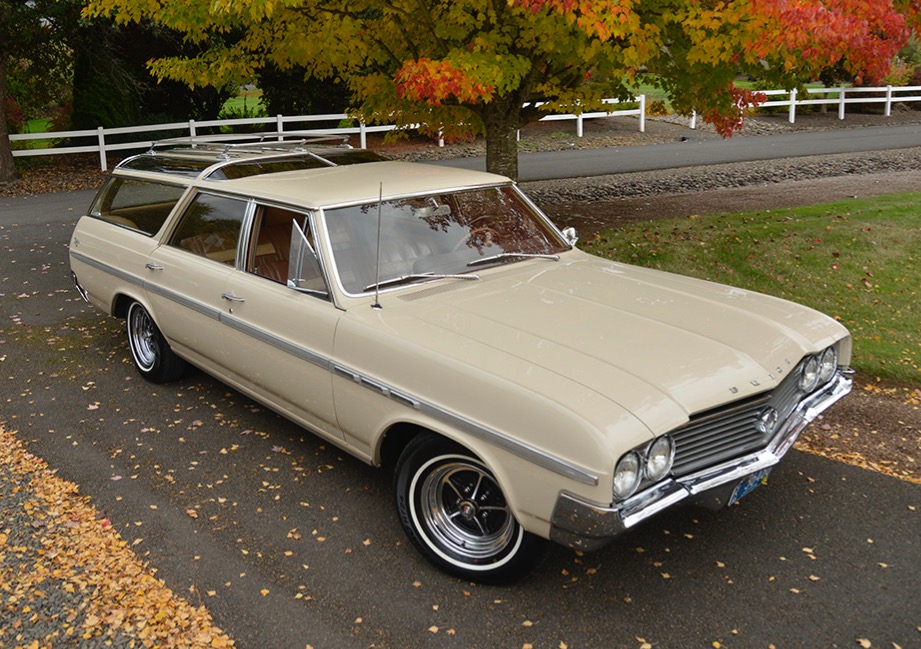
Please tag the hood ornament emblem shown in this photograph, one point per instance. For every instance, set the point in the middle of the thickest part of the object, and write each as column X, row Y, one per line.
column 767, row 421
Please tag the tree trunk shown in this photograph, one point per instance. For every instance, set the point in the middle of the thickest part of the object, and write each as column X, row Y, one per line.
column 502, row 118
column 7, row 167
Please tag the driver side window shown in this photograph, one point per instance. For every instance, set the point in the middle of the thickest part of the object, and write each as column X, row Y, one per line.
column 283, row 250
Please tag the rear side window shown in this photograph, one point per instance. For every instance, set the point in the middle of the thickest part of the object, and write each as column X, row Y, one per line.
column 211, row 226
column 137, row 204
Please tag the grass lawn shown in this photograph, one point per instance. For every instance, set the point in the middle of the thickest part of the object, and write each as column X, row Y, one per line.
column 249, row 100
column 857, row 260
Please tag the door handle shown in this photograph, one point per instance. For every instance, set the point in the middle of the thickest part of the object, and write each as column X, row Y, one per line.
column 230, row 297
column 153, row 266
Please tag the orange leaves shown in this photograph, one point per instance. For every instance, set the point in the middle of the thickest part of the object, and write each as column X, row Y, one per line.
column 69, row 548
column 435, row 82
column 801, row 37
column 727, row 123
column 864, row 35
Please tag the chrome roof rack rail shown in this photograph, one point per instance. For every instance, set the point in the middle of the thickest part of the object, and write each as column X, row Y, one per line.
column 225, row 145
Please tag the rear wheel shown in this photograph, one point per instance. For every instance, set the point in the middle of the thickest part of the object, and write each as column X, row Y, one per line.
column 151, row 353
column 455, row 513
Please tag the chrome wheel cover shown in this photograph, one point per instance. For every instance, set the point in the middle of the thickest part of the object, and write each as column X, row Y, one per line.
column 463, row 512
column 142, row 336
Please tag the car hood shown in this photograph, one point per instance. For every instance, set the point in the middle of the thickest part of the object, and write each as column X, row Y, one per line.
column 660, row 346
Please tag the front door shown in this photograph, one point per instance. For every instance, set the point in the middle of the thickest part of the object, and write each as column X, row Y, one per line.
column 280, row 331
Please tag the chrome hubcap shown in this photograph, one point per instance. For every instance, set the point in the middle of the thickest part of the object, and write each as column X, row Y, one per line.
column 143, row 338
column 465, row 510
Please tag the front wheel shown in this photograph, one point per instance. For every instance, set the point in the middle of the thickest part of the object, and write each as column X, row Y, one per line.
column 453, row 510
column 151, row 353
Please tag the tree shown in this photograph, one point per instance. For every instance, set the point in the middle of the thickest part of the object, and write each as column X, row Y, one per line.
column 30, row 31
column 293, row 91
column 112, row 86
column 485, row 63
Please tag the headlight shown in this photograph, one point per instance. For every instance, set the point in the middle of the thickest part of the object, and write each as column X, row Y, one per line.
column 659, row 457
column 809, row 374
column 828, row 365
column 627, row 475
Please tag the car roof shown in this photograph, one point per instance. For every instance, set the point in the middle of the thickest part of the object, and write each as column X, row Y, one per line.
column 360, row 183
column 307, row 172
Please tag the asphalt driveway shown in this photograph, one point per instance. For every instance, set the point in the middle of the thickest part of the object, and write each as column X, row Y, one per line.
column 289, row 542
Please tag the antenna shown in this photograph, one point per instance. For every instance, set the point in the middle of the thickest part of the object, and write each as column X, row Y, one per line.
column 377, row 265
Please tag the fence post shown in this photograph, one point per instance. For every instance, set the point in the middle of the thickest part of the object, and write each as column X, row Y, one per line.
column 693, row 123
column 191, row 128
column 100, row 135
column 888, row 101
column 279, row 127
column 841, row 104
column 579, row 125
column 792, row 114
column 363, row 137
column 642, row 113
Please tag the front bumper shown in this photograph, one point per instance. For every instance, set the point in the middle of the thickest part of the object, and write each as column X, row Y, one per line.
column 587, row 526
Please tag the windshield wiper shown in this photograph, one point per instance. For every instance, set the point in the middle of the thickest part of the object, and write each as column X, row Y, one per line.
column 511, row 255
column 413, row 277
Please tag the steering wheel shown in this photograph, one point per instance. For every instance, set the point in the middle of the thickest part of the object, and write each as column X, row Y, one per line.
column 484, row 234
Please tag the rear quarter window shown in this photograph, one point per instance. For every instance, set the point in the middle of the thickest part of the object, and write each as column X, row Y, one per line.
column 137, row 204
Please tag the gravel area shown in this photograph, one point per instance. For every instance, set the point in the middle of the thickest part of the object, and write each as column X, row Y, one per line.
column 724, row 176
column 68, row 579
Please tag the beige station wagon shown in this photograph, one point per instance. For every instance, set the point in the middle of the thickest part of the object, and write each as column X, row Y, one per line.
column 434, row 321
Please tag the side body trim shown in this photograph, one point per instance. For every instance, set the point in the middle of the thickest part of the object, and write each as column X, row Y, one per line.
column 472, row 428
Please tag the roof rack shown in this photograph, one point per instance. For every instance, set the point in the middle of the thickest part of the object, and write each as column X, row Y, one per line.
column 224, row 145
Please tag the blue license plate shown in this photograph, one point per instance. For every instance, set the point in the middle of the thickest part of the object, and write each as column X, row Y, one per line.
column 748, row 485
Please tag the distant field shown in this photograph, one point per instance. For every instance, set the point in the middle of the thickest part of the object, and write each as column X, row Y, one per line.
column 249, row 101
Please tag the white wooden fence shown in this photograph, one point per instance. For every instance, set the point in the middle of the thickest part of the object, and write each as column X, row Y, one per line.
column 276, row 127
column 842, row 96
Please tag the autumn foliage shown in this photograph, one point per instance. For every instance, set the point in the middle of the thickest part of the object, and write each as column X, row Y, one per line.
column 435, row 82
column 488, row 65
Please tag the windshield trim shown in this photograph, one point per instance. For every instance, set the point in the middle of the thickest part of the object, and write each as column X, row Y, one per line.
column 555, row 236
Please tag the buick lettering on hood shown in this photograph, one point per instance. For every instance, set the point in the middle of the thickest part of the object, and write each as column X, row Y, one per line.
column 434, row 322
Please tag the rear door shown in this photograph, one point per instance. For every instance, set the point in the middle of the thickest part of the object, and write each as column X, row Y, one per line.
column 187, row 274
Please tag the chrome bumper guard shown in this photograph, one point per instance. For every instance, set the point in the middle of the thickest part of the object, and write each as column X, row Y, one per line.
column 82, row 291
column 586, row 526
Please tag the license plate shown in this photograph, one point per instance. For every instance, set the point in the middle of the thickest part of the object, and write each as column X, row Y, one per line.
column 748, row 485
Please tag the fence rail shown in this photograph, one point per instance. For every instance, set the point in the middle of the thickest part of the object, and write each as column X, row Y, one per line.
column 102, row 146
column 841, row 96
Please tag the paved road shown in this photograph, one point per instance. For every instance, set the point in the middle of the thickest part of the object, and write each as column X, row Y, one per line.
column 824, row 555
column 598, row 162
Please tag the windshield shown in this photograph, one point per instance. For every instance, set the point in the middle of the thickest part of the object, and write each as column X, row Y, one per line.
column 427, row 237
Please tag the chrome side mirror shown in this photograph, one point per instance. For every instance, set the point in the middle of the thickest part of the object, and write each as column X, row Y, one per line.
column 570, row 235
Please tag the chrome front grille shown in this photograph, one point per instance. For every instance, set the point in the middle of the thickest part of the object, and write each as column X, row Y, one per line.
column 732, row 431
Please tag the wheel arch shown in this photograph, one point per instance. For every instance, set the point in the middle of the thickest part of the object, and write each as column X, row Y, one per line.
column 399, row 435
column 121, row 302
